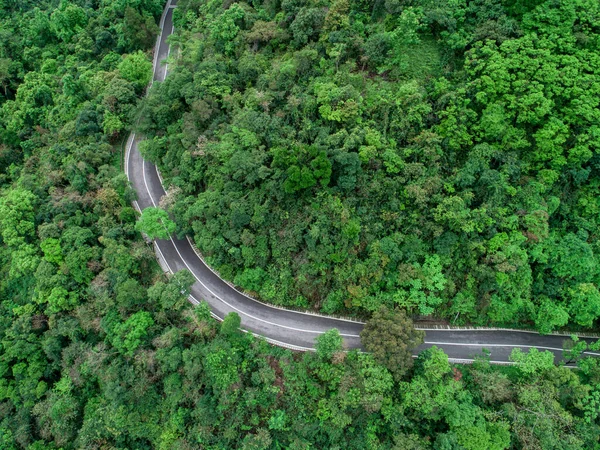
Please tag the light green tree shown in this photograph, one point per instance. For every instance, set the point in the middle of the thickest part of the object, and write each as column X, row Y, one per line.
column 137, row 69
column 532, row 362
column 155, row 222
column 329, row 343
column 128, row 336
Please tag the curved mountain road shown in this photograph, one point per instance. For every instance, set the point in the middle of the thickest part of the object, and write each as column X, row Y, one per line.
column 292, row 329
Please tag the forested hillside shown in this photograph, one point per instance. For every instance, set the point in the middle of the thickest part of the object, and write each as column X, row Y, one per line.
column 440, row 156
column 100, row 350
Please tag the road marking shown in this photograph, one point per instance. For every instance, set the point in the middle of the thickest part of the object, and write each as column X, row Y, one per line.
column 212, row 292
column 175, row 245
column 511, row 330
column 208, row 289
column 461, row 344
column 127, row 160
column 158, row 39
column 169, row 51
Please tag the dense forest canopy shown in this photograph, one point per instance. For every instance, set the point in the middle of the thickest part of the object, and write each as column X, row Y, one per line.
column 439, row 156
column 100, row 350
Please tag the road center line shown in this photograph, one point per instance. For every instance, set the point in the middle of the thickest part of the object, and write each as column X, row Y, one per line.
column 127, row 169
column 467, row 344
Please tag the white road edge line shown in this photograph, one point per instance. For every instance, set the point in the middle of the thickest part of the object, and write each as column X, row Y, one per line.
column 194, row 300
column 155, row 66
column 466, row 344
column 158, row 39
column 213, row 293
column 132, row 140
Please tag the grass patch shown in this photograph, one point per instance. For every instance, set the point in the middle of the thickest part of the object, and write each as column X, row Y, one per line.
column 422, row 60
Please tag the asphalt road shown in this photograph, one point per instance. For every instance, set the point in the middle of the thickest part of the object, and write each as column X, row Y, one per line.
column 293, row 329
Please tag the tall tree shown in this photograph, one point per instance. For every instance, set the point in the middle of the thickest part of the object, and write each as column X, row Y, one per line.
column 155, row 222
column 391, row 337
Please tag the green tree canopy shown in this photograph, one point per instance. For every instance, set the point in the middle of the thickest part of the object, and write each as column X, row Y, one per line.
column 329, row 343
column 391, row 337
column 155, row 222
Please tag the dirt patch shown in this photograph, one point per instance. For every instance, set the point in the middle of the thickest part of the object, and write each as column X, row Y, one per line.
column 274, row 364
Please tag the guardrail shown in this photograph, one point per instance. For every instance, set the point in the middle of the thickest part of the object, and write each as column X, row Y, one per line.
column 167, row 269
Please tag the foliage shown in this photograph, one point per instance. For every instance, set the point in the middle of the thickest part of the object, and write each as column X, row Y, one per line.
column 437, row 156
column 391, row 337
column 99, row 349
column 155, row 222
column 136, row 69
column 328, row 344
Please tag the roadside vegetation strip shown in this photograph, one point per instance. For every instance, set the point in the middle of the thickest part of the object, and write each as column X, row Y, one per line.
column 98, row 349
column 328, row 207
column 198, row 254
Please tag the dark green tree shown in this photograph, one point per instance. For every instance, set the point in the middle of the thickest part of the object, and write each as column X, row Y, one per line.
column 390, row 336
